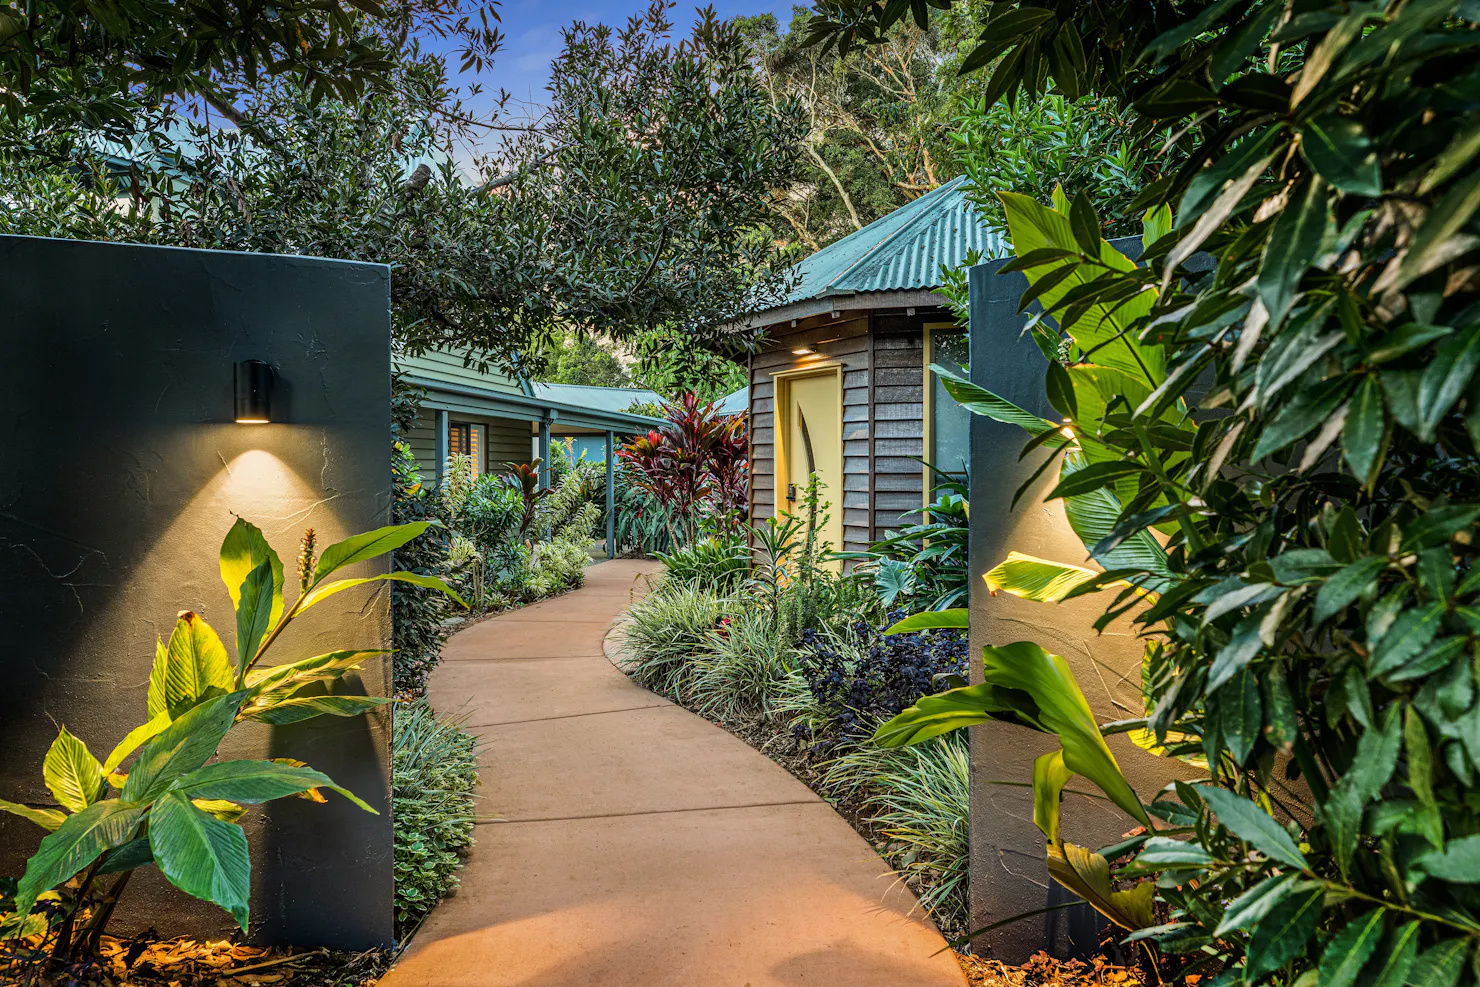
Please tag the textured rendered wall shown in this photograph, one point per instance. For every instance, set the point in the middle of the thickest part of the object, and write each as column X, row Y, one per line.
column 123, row 471
column 1008, row 873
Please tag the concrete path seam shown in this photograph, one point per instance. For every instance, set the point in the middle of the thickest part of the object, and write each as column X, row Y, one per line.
column 565, row 716
column 654, row 812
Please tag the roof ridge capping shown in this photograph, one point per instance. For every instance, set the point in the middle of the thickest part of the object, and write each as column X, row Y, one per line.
column 901, row 251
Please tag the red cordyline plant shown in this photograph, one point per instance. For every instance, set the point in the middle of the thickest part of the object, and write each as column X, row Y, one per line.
column 696, row 464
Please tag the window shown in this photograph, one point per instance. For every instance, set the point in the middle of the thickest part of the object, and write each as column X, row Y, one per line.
column 465, row 439
column 948, row 448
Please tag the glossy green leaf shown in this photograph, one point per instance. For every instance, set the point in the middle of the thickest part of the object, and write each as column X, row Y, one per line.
column 1282, row 933
column 1341, row 152
column 1307, row 411
column 1441, row 964
column 254, row 613
column 47, row 819
column 1362, row 435
column 1164, row 853
column 134, row 853
column 196, row 662
column 280, row 681
column 254, row 782
column 1254, row 826
column 244, row 549
column 1061, row 391
column 365, row 546
column 1292, row 247
column 980, row 401
column 943, row 712
column 137, row 736
column 1404, row 339
column 1036, row 579
column 201, row 855
column 1410, row 633
column 1342, row 589
column 931, row 620
column 183, row 746
column 325, row 590
column 73, row 775
column 1396, row 957
column 1049, row 778
column 1251, row 906
column 1458, row 862
column 307, row 707
column 76, row 843
column 1350, row 949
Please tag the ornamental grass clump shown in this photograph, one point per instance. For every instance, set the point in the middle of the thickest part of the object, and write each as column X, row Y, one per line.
column 667, row 633
column 434, row 774
column 745, row 670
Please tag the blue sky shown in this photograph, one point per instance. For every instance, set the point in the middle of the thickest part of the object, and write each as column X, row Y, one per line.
column 531, row 31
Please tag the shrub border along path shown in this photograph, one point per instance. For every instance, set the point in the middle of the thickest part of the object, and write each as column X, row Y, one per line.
column 638, row 845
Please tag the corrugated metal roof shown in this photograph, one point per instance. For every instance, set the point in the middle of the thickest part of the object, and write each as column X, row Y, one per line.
column 735, row 402
column 903, row 250
column 594, row 397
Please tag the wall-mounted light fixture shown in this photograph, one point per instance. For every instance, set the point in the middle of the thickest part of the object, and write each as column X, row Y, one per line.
column 253, row 392
column 802, row 351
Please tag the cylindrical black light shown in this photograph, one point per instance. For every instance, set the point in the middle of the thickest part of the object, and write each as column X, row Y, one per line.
column 253, row 392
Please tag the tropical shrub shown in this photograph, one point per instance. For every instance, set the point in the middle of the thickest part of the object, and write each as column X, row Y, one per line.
column 643, row 524
column 925, row 562
column 719, row 563
column 171, row 808
column 1309, row 618
column 556, row 566
column 417, row 612
column 434, row 772
column 697, row 464
column 858, row 676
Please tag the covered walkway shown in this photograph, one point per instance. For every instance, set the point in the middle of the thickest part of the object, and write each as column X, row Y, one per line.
column 638, row 845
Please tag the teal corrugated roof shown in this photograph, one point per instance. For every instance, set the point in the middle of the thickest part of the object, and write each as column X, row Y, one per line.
column 901, row 251
column 596, row 398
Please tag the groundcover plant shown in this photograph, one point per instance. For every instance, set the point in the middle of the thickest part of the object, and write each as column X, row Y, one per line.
column 168, row 806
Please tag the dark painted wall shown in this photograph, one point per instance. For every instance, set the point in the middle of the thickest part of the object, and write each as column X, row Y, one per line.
column 1008, row 873
column 123, row 471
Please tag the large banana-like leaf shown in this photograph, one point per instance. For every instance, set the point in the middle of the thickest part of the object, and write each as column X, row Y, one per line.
column 183, row 746
column 954, row 619
column 193, row 662
column 1093, row 517
column 1049, row 778
column 1061, row 709
column 244, row 549
column 254, row 782
column 200, row 854
column 934, row 715
column 137, row 736
column 325, row 590
column 254, row 613
column 980, row 401
column 280, row 681
column 1087, row 874
column 1103, row 330
column 48, row 819
column 366, row 545
column 307, row 707
column 82, row 838
column 1036, row 579
column 72, row 773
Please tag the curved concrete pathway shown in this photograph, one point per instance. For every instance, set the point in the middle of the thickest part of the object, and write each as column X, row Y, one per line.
column 638, row 845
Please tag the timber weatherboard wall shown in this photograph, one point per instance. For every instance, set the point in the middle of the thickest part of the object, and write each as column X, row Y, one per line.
column 881, row 354
column 118, row 372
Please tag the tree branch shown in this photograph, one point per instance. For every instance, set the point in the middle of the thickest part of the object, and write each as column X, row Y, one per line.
column 508, row 178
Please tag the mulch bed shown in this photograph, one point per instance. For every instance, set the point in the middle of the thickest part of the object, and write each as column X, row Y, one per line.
column 151, row 962
column 1042, row 970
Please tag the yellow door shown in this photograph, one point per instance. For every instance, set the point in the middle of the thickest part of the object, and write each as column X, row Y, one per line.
column 812, row 442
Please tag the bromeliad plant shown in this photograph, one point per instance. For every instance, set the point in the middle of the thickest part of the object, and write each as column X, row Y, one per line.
column 168, row 806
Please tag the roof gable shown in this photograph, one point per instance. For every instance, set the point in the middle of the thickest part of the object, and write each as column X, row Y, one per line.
column 901, row 251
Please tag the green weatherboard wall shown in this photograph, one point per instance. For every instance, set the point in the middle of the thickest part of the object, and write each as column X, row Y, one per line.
column 123, row 471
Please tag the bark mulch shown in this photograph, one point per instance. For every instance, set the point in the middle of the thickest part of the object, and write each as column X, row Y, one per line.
column 1042, row 970
column 151, row 962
